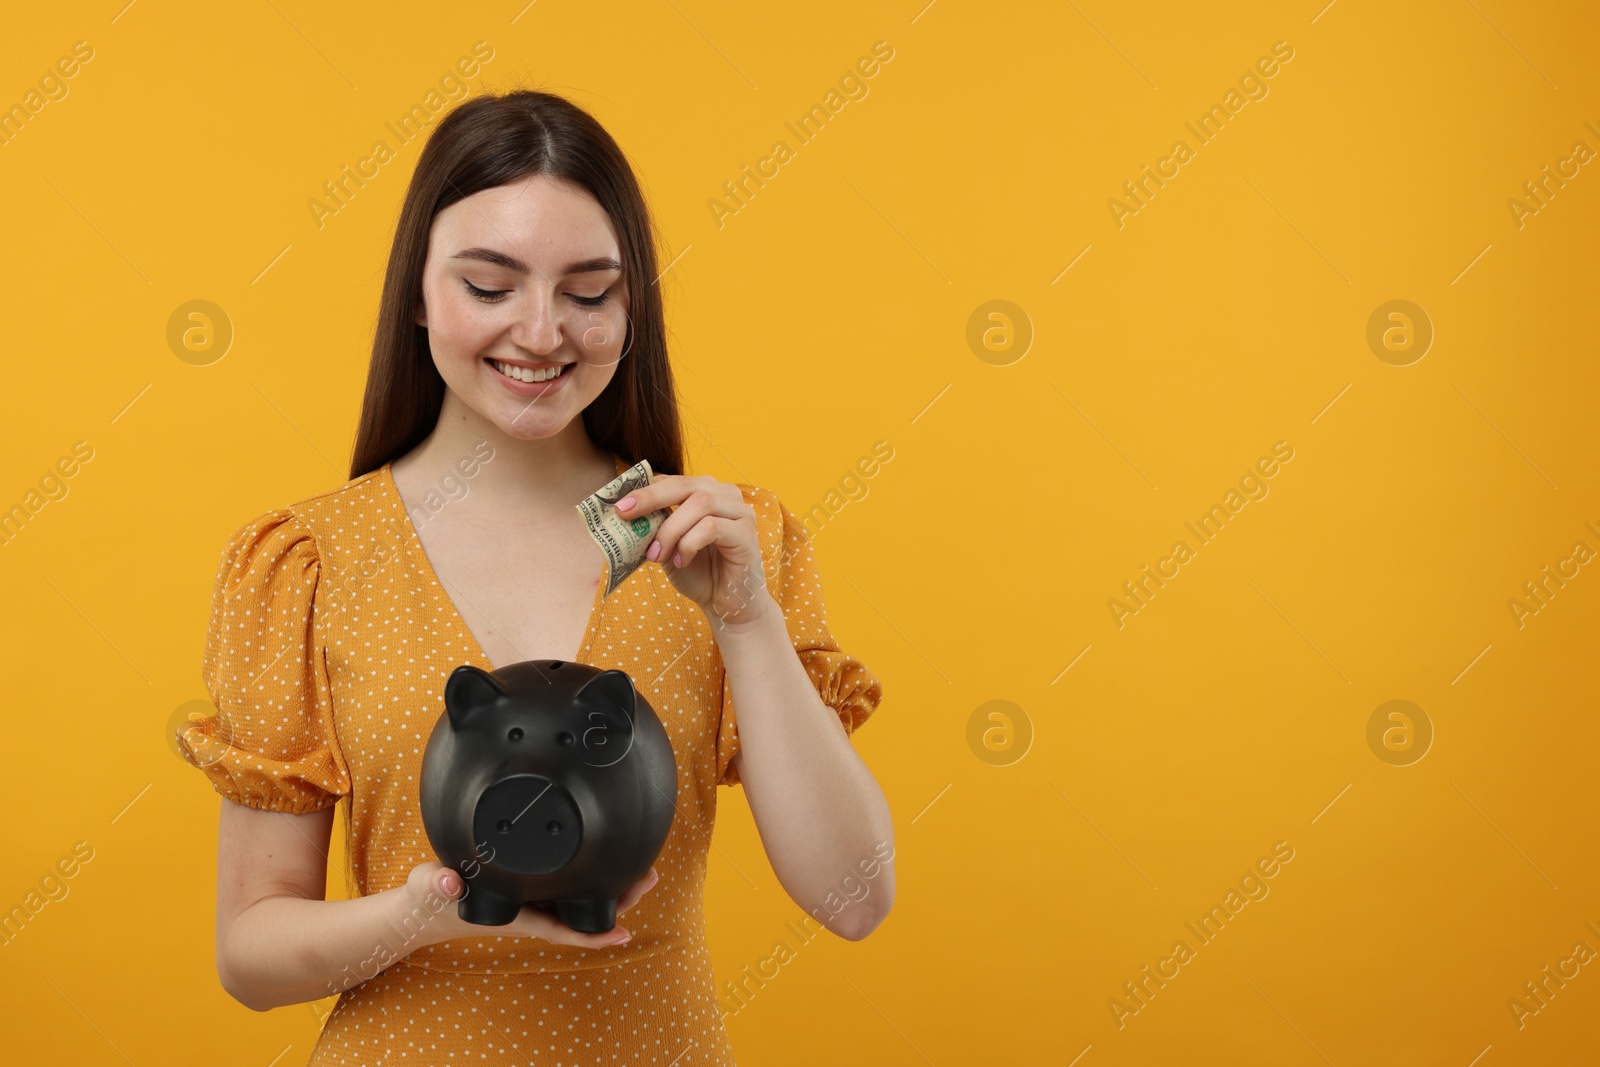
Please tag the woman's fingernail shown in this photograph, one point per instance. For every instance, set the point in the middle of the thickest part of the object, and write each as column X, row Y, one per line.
column 655, row 550
column 625, row 503
column 623, row 940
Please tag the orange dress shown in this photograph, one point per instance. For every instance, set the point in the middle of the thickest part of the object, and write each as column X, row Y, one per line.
column 329, row 644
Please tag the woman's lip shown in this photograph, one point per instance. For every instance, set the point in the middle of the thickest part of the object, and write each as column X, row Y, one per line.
column 522, row 388
column 525, row 364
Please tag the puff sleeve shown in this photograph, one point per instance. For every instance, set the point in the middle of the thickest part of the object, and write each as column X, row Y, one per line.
column 844, row 683
column 271, row 744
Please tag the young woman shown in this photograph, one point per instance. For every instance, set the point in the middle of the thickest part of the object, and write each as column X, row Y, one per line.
column 520, row 364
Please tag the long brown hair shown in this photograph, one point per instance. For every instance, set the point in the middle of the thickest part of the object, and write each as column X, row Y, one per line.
column 485, row 142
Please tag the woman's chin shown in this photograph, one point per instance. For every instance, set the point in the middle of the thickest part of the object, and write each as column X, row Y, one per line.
column 527, row 420
column 528, row 427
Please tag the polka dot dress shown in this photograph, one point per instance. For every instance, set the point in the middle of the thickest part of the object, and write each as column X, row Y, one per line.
column 329, row 644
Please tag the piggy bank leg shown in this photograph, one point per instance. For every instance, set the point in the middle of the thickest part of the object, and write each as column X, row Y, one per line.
column 485, row 907
column 589, row 915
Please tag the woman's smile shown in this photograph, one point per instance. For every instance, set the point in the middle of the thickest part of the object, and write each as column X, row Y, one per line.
column 529, row 379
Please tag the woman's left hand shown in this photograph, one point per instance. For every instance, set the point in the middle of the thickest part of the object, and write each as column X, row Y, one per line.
column 708, row 545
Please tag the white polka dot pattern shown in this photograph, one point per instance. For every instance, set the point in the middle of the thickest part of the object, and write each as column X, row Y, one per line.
column 329, row 645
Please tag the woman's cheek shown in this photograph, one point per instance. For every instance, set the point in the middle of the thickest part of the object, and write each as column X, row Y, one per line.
column 602, row 335
column 465, row 330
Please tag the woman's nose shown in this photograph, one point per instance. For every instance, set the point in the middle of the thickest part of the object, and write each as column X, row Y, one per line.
column 538, row 328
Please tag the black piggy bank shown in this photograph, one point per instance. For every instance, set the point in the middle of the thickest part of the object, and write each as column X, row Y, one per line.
column 549, row 783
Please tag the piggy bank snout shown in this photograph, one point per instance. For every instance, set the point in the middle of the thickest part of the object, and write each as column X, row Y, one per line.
column 528, row 824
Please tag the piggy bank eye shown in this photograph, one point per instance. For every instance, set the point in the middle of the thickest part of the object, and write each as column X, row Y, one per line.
column 515, row 734
column 564, row 737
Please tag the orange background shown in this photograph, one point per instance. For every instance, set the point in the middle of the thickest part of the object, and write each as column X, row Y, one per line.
column 1159, row 759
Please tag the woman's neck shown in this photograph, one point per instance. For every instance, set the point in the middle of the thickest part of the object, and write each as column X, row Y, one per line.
column 522, row 479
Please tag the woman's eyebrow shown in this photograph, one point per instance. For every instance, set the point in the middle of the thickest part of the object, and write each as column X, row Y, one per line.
column 501, row 259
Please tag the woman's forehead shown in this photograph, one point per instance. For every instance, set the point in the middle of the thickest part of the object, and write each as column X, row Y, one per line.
column 550, row 208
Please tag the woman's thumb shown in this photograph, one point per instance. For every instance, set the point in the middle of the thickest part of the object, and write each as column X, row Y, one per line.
column 435, row 877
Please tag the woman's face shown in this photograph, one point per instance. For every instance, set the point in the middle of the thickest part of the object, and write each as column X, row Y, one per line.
column 523, row 280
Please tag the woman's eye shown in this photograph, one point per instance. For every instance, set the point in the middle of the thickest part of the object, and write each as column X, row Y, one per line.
column 488, row 296
column 493, row 296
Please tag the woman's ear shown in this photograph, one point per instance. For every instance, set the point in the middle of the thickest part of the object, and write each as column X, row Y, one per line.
column 422, row 313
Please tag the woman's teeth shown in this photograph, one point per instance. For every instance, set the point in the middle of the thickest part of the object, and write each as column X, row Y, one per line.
column 524, row 374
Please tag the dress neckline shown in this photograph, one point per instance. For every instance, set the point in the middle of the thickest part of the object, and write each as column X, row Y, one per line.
column 431, row 576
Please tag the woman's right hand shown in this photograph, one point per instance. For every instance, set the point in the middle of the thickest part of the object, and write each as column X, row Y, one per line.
column 445, row 882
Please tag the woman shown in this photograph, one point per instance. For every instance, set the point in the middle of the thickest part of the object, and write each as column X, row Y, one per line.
column 524, row 249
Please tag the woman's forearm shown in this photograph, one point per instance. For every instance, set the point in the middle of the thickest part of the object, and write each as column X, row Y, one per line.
column 289, row 950
column 817, row 807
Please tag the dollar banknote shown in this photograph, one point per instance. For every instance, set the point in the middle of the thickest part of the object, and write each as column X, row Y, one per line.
column 623, row 540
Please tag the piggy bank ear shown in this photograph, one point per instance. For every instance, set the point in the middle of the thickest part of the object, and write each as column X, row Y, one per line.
column 609, row 691
column 606, row 701
column 468, row 690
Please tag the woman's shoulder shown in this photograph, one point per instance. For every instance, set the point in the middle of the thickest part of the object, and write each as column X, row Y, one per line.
column 769, row 509
column 781, row 533
column 361, row 492
column 314, row 526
